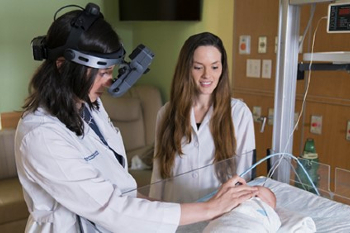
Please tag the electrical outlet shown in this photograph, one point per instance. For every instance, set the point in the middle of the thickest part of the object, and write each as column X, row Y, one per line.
column 348, row 131
column 253, row 68
column 256, row 113
column 316, row 124
column 262, row 46
column 266, row 68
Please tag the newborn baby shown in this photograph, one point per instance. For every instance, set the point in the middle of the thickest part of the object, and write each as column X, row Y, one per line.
column 254, row 215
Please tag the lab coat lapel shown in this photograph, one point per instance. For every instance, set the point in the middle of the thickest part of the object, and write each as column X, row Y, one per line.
column 193, row 121
column 106, row 130
column 207, row 117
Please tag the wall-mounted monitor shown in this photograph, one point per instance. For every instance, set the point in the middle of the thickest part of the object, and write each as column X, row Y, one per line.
column 160, row 10
column 338, row 18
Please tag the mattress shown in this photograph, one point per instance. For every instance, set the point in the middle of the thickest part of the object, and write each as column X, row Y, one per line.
column 328, row 215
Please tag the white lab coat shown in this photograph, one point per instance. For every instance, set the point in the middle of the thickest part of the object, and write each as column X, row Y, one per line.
column 64, row 176
column 191, row 186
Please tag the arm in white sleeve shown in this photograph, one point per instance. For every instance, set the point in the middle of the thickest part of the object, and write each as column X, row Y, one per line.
column 57, row 166
column 245, row 137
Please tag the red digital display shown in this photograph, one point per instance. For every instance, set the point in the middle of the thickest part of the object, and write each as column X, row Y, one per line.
column 344, row 11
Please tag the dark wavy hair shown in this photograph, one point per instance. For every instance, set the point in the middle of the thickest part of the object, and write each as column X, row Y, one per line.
column 57, row 89
column 176, row 123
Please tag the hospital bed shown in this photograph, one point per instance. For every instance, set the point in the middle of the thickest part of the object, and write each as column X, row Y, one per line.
column 328, row 210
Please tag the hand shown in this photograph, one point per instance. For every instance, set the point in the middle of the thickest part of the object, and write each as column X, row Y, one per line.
column 227, row 197
column 266, row 195
column 230, row 195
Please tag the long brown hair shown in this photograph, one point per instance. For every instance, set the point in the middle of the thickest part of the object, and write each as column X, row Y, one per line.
column 176, row 124
column 56, row 89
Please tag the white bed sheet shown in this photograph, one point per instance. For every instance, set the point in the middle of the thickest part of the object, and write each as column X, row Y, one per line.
column 329, row 216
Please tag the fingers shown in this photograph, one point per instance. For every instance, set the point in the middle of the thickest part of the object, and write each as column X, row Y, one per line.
column 231, row 196
column 239, row 197
column 238, row 187
column 235, row 180
column 243, row 193
column 237, row 191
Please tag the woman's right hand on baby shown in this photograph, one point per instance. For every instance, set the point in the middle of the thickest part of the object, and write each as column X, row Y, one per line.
column 230, row 195
column 227, row 197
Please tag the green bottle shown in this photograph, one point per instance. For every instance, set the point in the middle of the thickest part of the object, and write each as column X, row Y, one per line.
column 310, row 163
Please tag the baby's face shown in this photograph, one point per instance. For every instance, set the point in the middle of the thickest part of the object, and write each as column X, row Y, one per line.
column 267, row 196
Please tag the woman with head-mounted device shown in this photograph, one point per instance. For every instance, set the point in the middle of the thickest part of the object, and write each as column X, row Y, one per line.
column 70, row 160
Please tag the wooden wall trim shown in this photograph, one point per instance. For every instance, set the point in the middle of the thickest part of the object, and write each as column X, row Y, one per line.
column 299, row 97
column 256, row 92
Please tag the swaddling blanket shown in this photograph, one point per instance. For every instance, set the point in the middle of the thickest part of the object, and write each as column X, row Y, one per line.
column 293, row 222
column 251, row 216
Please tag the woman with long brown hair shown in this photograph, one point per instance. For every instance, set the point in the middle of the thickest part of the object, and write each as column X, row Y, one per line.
column 201, row 124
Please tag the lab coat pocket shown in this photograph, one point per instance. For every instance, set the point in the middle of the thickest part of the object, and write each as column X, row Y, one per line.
column 85, row 226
